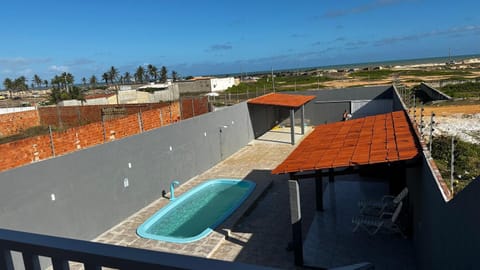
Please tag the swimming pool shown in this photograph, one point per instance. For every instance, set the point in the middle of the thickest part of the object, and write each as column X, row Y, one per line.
column 197, row 212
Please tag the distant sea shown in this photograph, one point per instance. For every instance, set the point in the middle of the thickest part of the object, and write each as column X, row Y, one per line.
column 415, row 61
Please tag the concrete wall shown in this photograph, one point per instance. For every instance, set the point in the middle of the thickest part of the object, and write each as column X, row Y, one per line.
column 16, row 109
column 194, row 86
column 221, row 84
column 265, row 118
column 329, row 105
column 445, row 233
column 432, row 94
column 88, row 185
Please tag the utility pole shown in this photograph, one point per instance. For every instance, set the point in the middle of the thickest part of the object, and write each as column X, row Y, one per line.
column 273, row 81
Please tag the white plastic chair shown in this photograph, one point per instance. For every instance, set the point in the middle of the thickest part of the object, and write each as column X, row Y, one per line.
column 373, row 224
column 386, row 204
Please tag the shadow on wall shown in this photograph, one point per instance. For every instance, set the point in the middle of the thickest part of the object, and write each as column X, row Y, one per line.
column 265, row 117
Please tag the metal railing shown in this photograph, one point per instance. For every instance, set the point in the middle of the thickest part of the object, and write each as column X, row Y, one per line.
column 93, row 255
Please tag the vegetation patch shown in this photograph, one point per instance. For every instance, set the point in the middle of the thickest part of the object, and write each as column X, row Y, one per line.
column 466, row 160
column 464, row 90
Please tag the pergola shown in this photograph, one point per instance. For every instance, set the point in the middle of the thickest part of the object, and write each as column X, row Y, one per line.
column 347, row 145
column 292, row 102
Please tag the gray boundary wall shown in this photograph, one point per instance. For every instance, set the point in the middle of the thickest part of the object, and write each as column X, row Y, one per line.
column 88, row 185
column 445, row 233
column 432, row 93
column 329, row 105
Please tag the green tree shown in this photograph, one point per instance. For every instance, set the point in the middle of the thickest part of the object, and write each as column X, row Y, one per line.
column 45, row 82
column 8, row 84
column 113, row 74
column 127, row 77
column 37, row 80
column 105, row 77
column 152, row 71
column 84, row 81
column 163, row 74
column 140, row 74
column 174, row 76
column 93, row 81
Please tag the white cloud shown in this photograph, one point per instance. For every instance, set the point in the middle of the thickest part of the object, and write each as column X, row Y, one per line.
column 55, row 68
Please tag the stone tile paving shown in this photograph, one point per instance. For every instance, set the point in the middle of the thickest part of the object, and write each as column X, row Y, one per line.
column 252, row 162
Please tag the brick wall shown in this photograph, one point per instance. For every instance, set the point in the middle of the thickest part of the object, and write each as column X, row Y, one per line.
column 14, row 123
column 194, row 106
column 18, row 153
column 69, row 116
column 21, row 152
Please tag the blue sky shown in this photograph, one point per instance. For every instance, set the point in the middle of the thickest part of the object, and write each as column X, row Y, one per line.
column 192, row 37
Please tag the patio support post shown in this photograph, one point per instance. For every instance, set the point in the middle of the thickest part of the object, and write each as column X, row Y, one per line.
column 292, row 125
column 296, row 220
column 303, row 119
column 331, row 175
column 319, row 190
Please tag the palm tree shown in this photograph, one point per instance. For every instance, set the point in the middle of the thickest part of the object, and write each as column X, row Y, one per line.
column 84, row 81
column 37, row 80
column 68, row 78
column 45, row 82
column 93, row 81
column 152, row 71
column 113, row 74
column 163, row 75
column 140, row 74
column 127, row 77
column 174, row 75
column 8, row 84
column 105, row 77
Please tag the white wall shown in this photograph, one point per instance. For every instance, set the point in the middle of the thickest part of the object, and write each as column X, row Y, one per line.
column 15, row 109
column 221, row 84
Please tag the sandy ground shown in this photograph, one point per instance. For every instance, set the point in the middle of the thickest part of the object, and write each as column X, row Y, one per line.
column 462, row 121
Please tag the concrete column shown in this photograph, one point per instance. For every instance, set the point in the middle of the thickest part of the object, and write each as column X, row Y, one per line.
column 303, row 119
column 296, row 221
column 292, row 125
column 319, row 191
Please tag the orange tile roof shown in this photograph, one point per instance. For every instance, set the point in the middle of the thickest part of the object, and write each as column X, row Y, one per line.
column 374, row 139
column 284, row 100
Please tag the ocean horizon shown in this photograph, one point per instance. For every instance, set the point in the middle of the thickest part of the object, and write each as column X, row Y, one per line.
column 391, row 63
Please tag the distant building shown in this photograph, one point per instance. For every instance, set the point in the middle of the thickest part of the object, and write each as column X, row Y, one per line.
column 170, row 93
column 205, row 85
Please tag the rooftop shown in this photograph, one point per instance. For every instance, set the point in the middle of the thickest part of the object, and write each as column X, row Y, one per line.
column 369, row 140
column 283, row 100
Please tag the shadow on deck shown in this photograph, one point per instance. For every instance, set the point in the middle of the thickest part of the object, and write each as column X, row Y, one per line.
column 330, row 241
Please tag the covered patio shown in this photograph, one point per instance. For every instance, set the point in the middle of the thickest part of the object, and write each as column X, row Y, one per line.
column 362, row 159
column 291, row 102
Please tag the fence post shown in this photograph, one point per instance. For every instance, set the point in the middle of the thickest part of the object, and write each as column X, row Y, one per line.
column 52, row 146
column 180, row 101
column 161, row 117
column 103, row 130
column 140, row 122
column 59, row 117
column 193, row 106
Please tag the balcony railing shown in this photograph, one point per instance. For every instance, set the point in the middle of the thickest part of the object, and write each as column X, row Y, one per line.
column 94, row 256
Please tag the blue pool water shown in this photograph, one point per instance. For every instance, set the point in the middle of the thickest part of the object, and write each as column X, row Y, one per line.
column 196, row 213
